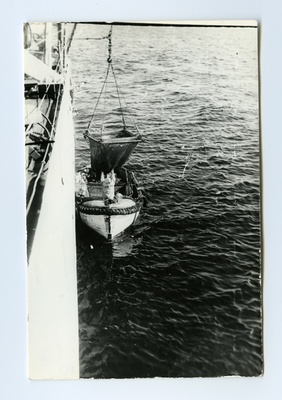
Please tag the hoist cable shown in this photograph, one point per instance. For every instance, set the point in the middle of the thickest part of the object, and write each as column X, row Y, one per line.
column 105, row 97
column 101, row 92
column 123, row 120
column 104, row 87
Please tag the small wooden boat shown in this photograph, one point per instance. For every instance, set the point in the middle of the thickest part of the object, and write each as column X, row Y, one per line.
column 108, row 219
column 108, row 196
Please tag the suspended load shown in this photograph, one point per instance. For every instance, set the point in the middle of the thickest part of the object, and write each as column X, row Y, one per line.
column 108, row 196
column 112, row 132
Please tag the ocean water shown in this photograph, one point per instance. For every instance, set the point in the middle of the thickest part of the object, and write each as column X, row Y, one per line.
column 179, row 294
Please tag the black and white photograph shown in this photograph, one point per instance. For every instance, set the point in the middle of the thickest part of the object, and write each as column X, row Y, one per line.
column 143, row 199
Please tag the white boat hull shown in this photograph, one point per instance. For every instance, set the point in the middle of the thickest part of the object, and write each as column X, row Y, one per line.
column 105, row 224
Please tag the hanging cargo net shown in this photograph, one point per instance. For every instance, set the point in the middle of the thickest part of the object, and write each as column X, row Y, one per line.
column 111, row 118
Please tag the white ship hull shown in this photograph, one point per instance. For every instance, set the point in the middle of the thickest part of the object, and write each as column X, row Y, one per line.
column 52, row 281
column 53, row 342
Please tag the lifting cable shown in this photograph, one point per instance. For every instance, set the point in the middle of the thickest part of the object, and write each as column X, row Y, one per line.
column 110, row 67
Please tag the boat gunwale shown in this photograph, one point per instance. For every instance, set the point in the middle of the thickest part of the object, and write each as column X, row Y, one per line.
column 108, row 210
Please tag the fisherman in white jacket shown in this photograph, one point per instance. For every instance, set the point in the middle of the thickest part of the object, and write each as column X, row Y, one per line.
column 108, row 181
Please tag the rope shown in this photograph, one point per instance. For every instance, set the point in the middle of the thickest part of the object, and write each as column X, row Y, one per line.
column 71, row 37
column 109, row 59
column 123, row 120
column 112, row 68
column 104, row 89
column 109, row 37
column 131, row 116
column 91, row 119
column 96, row 210
column 105, row 96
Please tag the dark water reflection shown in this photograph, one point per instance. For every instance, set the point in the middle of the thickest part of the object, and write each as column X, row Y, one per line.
column 180, row 293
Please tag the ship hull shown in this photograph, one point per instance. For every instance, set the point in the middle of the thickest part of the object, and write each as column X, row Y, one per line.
column 51, row 273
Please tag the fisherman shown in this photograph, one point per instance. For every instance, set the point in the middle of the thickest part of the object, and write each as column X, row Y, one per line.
column 81, row 189
column 108, row 182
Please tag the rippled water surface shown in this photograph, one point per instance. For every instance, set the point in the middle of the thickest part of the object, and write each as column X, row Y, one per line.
column 180, row 293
